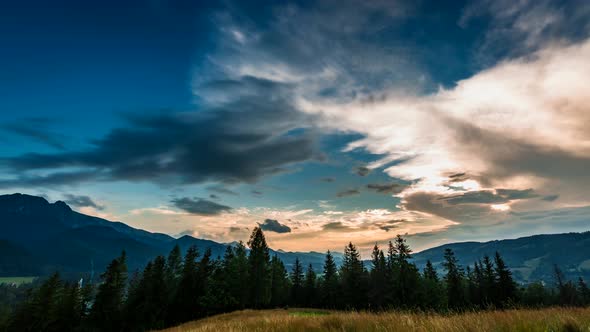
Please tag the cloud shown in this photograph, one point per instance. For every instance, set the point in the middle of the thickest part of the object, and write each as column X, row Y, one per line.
column 35, row 129
column 271, row 225
column 82, row 201
column 48, row 180
column 386, row 188
column 200, row 206
column 169, row 148
column 362, row 170
column 337, row 226
column 328, row 179
column 348, row 192
column 222, row 190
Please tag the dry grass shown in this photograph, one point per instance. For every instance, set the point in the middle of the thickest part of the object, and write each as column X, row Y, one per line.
column 552, row 319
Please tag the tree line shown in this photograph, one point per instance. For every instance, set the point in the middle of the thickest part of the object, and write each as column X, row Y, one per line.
column 175, row 289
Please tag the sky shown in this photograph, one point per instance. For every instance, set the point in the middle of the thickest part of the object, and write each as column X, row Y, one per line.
column 322, row 122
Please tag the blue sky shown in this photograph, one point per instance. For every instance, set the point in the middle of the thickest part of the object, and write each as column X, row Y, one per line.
column 445, row 121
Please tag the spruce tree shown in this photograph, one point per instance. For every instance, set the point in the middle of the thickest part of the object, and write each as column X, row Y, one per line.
column 106, row 311
column 280, row 285
column 453, row 281
column 297, row 295
column 378, row 278
column 309, row 287
column 329, row 284
column 185, row 304
column 259, row 269
column 353, row 278
column 506, row 287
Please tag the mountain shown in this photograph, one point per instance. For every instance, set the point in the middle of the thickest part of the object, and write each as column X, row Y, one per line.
column 39, row 237
column 530, row 258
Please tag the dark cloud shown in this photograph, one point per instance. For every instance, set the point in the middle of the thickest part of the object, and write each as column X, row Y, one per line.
column 550, row 198
column 386, row 188
column 271, row 225
column 348, row 192
column 222, row 190
column 49, row 180
column 500, row 196
column 328, row 179
column 225, row 142
column 335, row 226
column 81, row 201
column 35, row 129
column 362, row 170
column 390, row 224
column 213, row 196
column 200, row 206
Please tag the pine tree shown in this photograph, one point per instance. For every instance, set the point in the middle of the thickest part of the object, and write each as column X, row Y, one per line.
column 453, row 281
column 174, row 268
column 280, row 285
column 353, row 278
column 309, row 287
column 259, row 269
column 430, row 272
column 239, row 270
column 584, row 292
column 488, row 286
column 185, row 304
column 297, row 295
column 406, row 275
column 506, row 287
column 107, row 309
column 378, row 278
column 329, row 284
column 432, row 296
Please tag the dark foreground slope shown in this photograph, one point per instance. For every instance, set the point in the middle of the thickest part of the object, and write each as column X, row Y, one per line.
column 552, row 319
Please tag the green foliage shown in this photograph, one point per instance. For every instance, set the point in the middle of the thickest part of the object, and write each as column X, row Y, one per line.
column 259, row 269
column 173, row 290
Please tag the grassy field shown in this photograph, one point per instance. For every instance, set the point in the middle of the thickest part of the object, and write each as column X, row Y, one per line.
column 552, row 319
column 16, row 280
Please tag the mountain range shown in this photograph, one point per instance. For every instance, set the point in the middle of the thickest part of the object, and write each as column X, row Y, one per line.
column 39, row 237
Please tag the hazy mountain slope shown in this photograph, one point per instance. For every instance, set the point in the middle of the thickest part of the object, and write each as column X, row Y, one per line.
column 530, row 258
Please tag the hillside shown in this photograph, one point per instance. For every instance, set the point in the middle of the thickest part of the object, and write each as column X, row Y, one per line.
column 305, row 320
column 39, row 237
column 72, row 242
column 530, row 258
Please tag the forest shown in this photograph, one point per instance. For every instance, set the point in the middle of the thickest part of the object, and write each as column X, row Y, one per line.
column 175, row 289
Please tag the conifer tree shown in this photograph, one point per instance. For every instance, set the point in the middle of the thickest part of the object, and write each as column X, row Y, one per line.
column 453, row 281
column 378, row 278
column 329, row 284
column 309, row 287
column 297, row 295
column 280, row 285
column 353, row 278
column 259, row 269
column 505, row 285
column 488, row 292
column 107, row 308
column 185, row 303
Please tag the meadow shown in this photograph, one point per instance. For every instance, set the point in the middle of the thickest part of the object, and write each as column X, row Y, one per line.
column 529, row 320
column 16, row 280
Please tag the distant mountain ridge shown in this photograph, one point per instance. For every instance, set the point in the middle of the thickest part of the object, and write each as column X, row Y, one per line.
column 39, row 237
column 530, row 258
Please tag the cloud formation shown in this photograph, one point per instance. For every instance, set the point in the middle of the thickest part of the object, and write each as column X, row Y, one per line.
column 82, row 201
column 224, row 142
column 348, row 192
column 200, row 206
column 271, row 225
